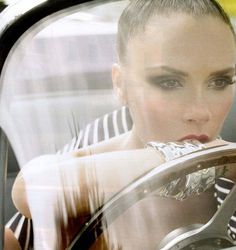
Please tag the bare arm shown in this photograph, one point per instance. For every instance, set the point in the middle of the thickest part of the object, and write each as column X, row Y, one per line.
column 113, row 171
column 55, row 182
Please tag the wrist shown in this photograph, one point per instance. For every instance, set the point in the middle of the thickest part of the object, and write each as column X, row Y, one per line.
column 173, row 150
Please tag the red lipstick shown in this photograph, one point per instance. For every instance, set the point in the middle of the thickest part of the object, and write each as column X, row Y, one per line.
column 201, row 138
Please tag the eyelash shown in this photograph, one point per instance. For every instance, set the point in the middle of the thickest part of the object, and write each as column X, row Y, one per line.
column 161, row 83
column 176, row 86
column 226, row 80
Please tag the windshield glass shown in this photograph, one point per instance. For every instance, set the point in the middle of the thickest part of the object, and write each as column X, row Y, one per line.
column 99, row 100
column 58, row 77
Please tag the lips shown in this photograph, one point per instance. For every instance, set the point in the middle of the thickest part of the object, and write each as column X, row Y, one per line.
column 201, row 138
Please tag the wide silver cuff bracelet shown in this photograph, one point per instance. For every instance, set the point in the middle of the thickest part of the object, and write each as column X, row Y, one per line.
column 188, row 185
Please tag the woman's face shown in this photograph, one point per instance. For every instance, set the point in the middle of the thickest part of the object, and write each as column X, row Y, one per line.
column 176, row 81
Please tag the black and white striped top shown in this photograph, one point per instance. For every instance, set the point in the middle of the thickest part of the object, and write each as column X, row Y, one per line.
column 222, row 189
column 104, row 128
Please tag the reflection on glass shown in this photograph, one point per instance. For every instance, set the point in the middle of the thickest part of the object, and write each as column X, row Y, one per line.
column 58, row 79
column 58, row 87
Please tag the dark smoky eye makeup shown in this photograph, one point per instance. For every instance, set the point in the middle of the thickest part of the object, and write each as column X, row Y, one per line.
column 223, row 77
column 220, row 82
column 166, row 82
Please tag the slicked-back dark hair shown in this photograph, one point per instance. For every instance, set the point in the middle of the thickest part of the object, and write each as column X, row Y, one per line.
column 136, row 15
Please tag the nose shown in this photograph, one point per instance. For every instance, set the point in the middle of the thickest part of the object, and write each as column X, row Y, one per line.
column 197, row 111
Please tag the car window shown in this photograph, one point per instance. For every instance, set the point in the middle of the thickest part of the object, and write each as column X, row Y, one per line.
column 58, row 78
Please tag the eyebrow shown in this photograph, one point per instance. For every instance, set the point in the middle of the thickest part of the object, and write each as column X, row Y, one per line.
column 223, row 72
column 168, row 69
column 182, row 73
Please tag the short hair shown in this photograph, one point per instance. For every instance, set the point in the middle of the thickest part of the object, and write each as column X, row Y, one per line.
column 136, row 15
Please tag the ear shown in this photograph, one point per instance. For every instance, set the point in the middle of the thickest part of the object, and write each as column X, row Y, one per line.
column 118, row 83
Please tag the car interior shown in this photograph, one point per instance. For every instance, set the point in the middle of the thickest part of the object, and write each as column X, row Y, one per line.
column 56, row 79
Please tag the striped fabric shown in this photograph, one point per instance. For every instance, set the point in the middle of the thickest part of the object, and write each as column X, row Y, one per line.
column 222, row 189
column 104, row 128
column 23, row 230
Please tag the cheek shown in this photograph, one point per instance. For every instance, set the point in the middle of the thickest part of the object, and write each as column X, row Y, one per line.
column 159, row 110
column 164, row 106
column 221, row 107
column 222, row 112
column 151, row 107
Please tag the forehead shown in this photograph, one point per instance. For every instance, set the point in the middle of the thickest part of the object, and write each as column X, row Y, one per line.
column 183, row 39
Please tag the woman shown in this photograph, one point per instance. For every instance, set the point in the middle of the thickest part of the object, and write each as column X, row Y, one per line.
column 175, row 73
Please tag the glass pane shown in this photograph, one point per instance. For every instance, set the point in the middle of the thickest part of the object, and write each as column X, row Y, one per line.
column 58, row 79
column 64, row 87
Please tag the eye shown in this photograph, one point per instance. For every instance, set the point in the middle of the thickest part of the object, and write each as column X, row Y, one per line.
column 169, row 84
column 166, row 82
column 221, row 82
